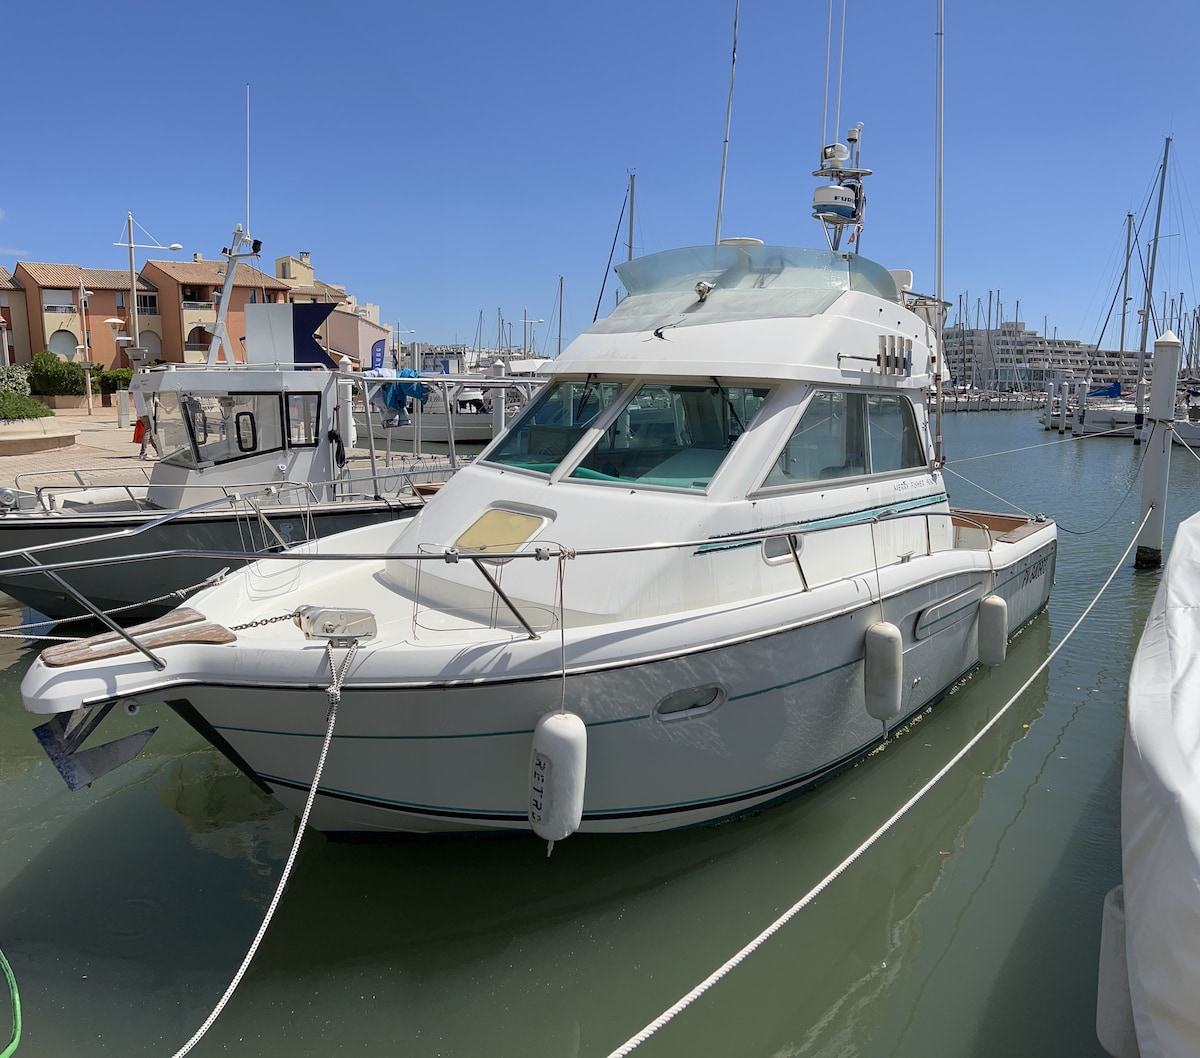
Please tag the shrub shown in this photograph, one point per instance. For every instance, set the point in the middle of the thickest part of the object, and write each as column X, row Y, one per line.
column 21, row 406
column 15, row 379
column 117, row 378
column 51, row 376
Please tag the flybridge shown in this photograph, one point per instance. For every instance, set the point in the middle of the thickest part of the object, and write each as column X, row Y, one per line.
column 740, row 264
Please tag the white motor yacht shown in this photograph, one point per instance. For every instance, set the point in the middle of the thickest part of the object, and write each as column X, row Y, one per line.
column 711, row 563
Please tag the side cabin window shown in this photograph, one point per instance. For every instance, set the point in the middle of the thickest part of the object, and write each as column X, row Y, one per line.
column 203, row 430
column 846, row 434
column 303, row 420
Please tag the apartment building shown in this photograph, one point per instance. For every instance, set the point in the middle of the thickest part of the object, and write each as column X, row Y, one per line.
column 87, row 313
column 1013, row 358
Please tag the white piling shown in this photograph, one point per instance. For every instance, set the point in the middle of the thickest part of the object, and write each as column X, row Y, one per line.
column 1139, row 418
column 1157, row 463
column 1064, row 402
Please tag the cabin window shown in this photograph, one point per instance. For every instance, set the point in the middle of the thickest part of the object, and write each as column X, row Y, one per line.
column 202, row 430
column 303, row 420
column 671, row 435
column 846, row 434
column 895, row 442
column 553, row 423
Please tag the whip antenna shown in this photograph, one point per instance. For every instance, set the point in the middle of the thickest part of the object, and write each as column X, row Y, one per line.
column 728, row 118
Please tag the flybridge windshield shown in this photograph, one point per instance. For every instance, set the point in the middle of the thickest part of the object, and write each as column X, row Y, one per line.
column 747, row 266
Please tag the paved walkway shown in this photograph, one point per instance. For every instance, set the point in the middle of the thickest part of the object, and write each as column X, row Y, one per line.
column 99, row 443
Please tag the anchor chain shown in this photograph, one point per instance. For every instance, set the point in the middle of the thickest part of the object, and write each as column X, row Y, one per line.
column 262, row 621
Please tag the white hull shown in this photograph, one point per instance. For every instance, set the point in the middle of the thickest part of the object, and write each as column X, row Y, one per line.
column 434, row 727
column 435, row 429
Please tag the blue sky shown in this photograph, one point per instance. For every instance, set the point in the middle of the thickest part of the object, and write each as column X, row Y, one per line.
column 443, row 159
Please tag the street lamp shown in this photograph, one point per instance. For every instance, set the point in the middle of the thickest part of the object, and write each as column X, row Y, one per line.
column 396, row 348
column 156, row 245
column 527, row 331
column 84, row 350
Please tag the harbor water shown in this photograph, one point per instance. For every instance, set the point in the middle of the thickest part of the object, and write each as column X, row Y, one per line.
column 971, row 928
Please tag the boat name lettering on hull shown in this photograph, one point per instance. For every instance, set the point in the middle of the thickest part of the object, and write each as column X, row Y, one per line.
column 1035, row 571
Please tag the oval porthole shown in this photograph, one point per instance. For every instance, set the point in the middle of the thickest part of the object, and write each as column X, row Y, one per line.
column 690, row 702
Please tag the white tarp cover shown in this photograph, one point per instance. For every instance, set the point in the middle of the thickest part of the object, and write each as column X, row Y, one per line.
column 1160, row 812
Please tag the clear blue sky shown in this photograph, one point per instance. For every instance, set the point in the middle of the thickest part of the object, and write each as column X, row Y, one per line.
column 445, row 158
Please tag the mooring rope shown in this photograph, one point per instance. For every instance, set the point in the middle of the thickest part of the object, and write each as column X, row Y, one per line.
column 334, row 691
column 682, row 1004
column 1133, row 480
column 178, row 595
column 15, row 1000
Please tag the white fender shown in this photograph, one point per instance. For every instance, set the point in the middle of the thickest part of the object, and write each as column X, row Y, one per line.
column 346, row 424
column 557, row 772
column 883, row 670
column 1114, row 1005
column 993, row 630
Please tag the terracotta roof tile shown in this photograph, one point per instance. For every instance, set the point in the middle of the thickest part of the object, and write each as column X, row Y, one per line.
column 69, row 277
column 212, row 273
column 320, row 290
column 7, row 282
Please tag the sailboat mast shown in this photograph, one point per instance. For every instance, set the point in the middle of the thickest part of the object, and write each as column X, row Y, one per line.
column 938, row 452
column 560, row 315
column 1125, row 285
column 1147, row 303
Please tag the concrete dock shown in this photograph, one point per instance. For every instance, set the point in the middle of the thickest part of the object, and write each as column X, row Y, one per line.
column 68, row 441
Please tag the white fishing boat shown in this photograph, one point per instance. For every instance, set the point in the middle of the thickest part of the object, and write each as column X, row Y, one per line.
column 254, row 457
column 711, row 563
column 444, row 407
column 1150, row 952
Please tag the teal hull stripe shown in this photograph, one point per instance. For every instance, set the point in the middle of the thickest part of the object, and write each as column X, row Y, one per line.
column 414, row 738
column 853, row 518
column 793, row 683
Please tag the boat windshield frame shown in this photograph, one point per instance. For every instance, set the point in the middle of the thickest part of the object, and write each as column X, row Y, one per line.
column 726, row 266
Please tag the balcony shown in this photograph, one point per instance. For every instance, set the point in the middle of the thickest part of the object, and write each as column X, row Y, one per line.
column 199, row 305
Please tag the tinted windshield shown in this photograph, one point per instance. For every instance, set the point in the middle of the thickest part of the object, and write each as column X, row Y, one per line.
column 553, row 425
column 670, row 435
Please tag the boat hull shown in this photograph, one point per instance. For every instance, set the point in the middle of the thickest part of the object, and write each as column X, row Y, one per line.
column 435, row 429
column 124, row 572
column 414, row 751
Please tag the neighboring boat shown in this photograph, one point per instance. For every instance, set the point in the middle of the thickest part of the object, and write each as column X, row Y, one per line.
column 254, row 458
column 712, row 563
column 1150, row 952
column 450, row 401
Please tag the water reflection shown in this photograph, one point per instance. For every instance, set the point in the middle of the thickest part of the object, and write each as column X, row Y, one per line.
column 970, row 929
